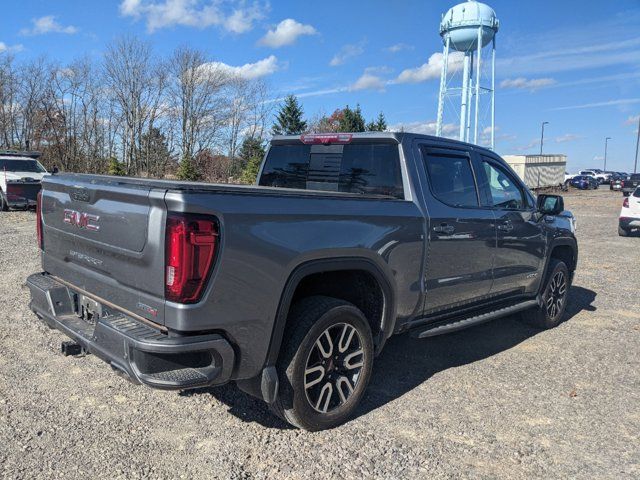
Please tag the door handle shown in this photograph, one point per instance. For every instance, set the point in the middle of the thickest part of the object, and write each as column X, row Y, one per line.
column 506, row 226
column 444, row 228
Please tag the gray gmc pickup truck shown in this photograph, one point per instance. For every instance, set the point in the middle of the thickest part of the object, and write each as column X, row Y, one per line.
column 290, row 288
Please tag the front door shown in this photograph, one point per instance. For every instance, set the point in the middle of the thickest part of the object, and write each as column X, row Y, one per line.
column 462, row 235
column 519, row 257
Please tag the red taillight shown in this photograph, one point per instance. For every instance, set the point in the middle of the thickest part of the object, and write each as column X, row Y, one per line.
column 190, row 246
column 622, row 183
column 325, row 138
column 625, row 202
column 39, row 219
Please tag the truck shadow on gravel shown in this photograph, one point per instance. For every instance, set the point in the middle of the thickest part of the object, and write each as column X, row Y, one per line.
column 407, row 362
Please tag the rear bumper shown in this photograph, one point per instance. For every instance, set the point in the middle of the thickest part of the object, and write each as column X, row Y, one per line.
column 142, row 353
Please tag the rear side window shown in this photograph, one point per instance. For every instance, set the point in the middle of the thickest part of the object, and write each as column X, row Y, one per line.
column 451, row 179
column 637, row 193
column 372, row 169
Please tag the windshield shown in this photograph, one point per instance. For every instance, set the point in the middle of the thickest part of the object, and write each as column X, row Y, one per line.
column 21, row 166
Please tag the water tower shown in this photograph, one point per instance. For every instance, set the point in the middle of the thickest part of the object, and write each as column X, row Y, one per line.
column 468, row 28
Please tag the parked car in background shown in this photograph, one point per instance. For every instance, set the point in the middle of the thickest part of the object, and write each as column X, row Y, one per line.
column 584, row 182
column 291, row 287
column 617, row 182
column 630, row 184
column 630, row 214
column 596, row 173
column 20, row 179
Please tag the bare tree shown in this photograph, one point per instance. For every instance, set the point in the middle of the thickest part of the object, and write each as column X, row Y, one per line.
column 197, row 99
column 132, row 78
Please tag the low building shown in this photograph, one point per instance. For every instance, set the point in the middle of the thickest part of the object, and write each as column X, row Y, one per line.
column 539, row 171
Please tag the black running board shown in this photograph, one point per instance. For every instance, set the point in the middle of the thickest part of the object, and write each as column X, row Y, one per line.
column 462, row 323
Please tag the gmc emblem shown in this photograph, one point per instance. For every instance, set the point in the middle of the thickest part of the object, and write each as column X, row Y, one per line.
column 82, row 220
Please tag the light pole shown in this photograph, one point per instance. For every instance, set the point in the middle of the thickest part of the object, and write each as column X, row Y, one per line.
column 635, row 163
column 542, row 136
column 606, row 142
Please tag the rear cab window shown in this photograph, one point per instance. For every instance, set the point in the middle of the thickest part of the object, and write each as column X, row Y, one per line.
column 363, row 168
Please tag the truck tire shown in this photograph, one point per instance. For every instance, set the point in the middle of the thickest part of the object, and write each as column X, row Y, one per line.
column 622, row 232
column 554, row 297
column 325, row 363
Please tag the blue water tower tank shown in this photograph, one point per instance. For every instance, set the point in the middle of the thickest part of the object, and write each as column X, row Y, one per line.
column 461, row 24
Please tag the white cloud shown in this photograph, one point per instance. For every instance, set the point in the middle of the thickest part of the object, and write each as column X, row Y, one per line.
column 368, row 81
column 347, row 52
column 632, row 120
column 527, row 83
column 10, row 48
column 431, row 69
column 261, row 68
column 535, row 143
column 286, row 33
column 608, row 103
column 48, row 24
column 568, row 137
column 194, row 13
column 399, row 47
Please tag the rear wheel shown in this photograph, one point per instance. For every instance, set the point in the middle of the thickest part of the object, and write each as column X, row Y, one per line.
column 623, row 232
column 554, row 297
column 325, row 364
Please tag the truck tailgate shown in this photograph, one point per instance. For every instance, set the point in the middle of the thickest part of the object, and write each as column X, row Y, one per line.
column 105, row 237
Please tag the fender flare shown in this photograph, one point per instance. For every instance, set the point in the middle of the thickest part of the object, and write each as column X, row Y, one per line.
column 332, row 265
column 560, row 242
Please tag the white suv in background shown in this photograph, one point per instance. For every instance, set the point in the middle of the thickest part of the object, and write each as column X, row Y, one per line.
column 599, row 175
column 630, row 214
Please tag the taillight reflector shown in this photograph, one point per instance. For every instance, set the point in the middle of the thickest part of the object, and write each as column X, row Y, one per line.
column 39, row 219
column 190, row 246
column 326, row 138
column 625, row 202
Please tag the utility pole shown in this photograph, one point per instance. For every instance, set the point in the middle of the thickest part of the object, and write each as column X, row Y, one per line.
column 606, row 142
column 542, row 136
column 635, row 163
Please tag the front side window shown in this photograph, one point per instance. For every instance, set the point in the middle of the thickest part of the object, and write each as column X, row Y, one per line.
column 451, row 179
column 504, row 190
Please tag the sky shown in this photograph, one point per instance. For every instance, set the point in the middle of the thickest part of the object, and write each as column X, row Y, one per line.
column 574, row 64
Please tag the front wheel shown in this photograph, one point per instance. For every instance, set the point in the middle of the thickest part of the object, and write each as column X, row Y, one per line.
column 623, row 232
column 554, row 297
column 325, row 364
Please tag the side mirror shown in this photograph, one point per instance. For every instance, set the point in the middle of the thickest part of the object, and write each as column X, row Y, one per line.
column 550, row 204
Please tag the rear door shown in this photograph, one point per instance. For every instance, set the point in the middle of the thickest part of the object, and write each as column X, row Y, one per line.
column 519, row 256
column 106, row 237
column 462, row 235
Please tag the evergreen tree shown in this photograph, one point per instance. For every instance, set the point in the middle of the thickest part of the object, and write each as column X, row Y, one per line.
column 352, row 120
column 252, row 152
column 187, row 170
column 381, row 123
column 116, row 168
column 289, row 119
column 155, row 152
column 377, row 125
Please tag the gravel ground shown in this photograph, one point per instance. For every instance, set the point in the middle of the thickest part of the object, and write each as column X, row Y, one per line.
column 499, row 400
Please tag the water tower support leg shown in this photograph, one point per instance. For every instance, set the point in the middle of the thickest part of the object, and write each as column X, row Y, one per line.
column 493, row 94
column 465, row 95
column 443, row 87
column 477, row 106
